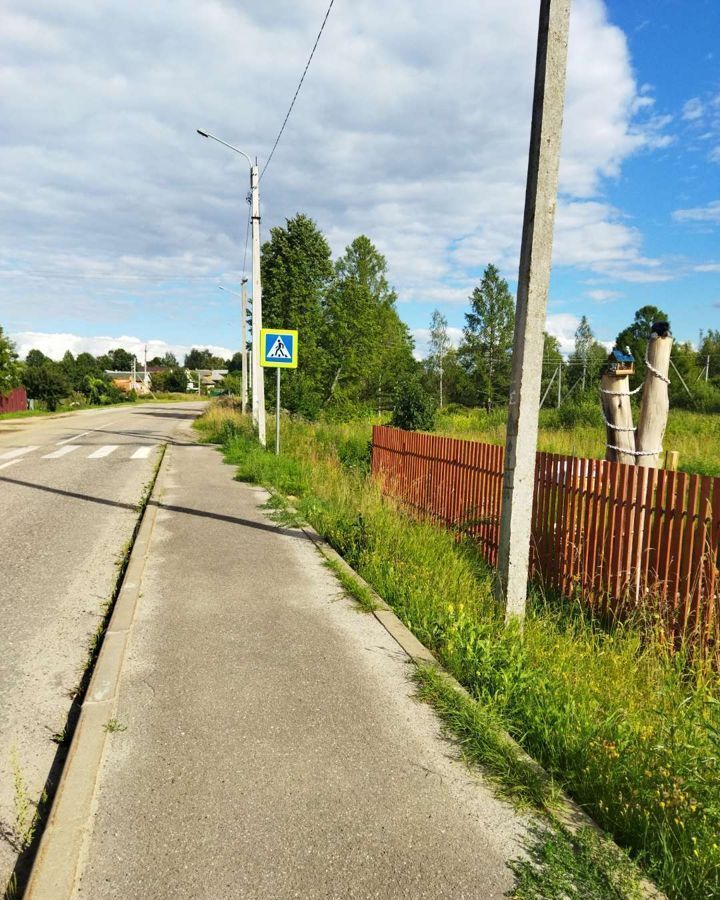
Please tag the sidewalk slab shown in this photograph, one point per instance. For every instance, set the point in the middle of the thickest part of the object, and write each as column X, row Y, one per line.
column 273, row 748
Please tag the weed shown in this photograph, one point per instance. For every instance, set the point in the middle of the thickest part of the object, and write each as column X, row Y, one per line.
column 24, row 824
column 113, row 725
column 562, row 865
column 354, row 588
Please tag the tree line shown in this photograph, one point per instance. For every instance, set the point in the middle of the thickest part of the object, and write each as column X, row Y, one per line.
column 477, row 371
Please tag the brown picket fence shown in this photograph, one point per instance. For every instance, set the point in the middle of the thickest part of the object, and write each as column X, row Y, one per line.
column 620, row 537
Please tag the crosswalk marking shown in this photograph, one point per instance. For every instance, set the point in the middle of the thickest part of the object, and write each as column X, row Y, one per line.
column 142, row 452
column 18, row 451
column 11, row 463
column 63, row 451
column 103, row 451
column 73, row 438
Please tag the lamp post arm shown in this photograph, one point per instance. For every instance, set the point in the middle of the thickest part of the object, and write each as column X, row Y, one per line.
column 206, row 134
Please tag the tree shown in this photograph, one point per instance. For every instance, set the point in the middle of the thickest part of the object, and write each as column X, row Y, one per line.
column 236, row 362
column 369, row 349
column 413, row 407
column 176, row 380
column 588, row 358
column 10, row 367
column 710, row 347
column 488, row 335
column 552, row 361
column 35, row 358
column 296, row 270
column 203, row 359
column 121, row 360
column 438, row 347
column 47, row 382
column 637, row 334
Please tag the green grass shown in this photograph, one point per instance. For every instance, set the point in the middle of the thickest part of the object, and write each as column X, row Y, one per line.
column 630, row 732
column 581, row 432
column 354, row 588
column 64, row 409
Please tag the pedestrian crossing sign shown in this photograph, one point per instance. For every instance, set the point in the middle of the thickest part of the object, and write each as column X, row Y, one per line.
column 279, row 348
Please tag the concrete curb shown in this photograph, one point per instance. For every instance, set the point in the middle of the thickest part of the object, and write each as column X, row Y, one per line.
column 568, row 813
column 55, row 869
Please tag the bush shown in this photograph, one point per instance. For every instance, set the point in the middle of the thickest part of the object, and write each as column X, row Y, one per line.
column 413, row 409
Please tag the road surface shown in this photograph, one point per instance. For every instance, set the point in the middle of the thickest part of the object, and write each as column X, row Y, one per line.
column 69, row 493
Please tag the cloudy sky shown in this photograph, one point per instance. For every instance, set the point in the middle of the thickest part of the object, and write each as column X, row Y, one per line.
column 119, row 222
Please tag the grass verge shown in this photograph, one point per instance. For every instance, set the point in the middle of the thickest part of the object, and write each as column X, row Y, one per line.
column 632, row 734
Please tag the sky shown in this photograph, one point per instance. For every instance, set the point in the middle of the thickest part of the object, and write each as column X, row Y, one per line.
column 119, row 222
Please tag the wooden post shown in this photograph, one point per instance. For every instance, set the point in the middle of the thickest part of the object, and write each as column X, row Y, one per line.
column 618, row 412
column 655, row 404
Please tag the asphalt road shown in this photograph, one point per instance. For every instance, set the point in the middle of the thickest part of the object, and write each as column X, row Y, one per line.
column 69, row 490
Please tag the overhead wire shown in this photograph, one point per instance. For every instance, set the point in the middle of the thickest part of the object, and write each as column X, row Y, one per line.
column 297, row 91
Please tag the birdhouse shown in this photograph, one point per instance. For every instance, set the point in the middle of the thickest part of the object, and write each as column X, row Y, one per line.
column 620, row 363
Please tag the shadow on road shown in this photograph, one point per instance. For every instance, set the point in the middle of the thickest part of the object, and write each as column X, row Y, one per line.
column 185, row 510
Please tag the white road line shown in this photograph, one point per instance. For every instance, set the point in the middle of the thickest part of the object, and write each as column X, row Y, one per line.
column 103, row 451
column 18, row 451
column 11, row 463
column 73, row 438
column 143, row 452
column 63, row 451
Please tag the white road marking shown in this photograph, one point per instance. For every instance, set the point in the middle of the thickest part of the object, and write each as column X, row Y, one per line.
column 103, row 451
column 63, row 451
column 11, row 463
column 18, row 451
column 143, row 452
column 67, row 440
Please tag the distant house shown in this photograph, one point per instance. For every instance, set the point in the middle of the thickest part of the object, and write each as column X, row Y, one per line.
column 209, row 378
column 124, row 380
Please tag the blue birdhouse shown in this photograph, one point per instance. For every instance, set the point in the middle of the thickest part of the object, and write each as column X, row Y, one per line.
column 620, row 363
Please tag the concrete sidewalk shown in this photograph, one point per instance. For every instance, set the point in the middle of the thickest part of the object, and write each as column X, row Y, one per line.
column 267, row 742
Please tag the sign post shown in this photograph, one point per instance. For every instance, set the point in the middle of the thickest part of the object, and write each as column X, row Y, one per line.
column 279, row 350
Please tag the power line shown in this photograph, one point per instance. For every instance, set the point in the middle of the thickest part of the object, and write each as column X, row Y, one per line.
column 307, row 66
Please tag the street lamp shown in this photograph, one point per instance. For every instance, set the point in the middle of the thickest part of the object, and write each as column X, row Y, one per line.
column 258, row 382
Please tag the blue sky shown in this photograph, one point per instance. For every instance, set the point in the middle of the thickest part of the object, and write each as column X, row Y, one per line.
column 119, row 222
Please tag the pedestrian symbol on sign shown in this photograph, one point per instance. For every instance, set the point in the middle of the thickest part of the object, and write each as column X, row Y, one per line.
column 279, row 350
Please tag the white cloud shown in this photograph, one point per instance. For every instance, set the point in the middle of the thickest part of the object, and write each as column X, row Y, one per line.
column 707, row 267
column 602, row 296
column 56, row 345
column 693, row 109
column 709, row 213
column 106, row 189
column 563, row 326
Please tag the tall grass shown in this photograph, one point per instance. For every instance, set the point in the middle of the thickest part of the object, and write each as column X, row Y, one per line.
column 632, row 733
column 579, row 431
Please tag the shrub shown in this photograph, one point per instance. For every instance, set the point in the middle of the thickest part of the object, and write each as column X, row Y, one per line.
column 413, row 408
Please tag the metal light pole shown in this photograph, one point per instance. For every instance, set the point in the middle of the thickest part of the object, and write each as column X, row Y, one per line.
column 258, row 382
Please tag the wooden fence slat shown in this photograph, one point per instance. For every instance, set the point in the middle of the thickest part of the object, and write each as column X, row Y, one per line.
column 620, row 535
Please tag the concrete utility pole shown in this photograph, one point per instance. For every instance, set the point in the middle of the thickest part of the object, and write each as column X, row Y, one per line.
column 243, row 348
column 258, row 382
column 655, row 402
column 258, row 374
column 533, row 281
